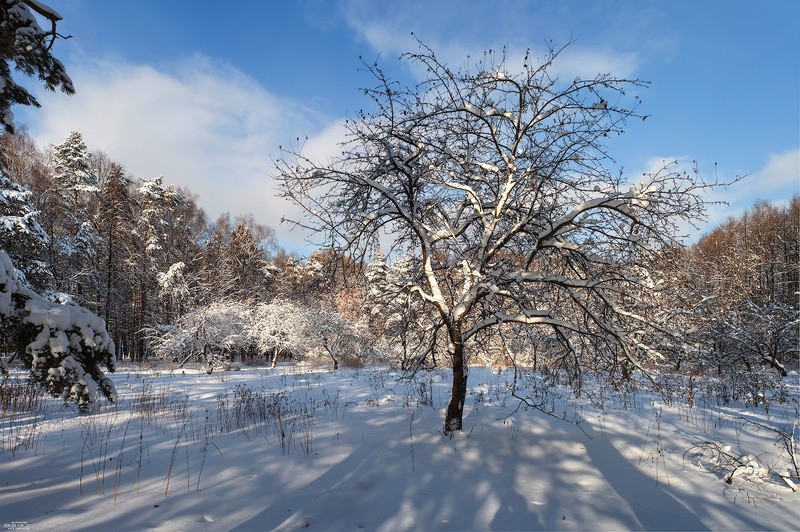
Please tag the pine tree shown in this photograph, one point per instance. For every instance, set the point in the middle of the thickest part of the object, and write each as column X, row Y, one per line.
column 24, row 44
column 63, row 346
column 72, row 171
column 74, row 239
column 22, row 236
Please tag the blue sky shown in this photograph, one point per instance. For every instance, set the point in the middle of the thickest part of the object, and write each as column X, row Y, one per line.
column 203, row 94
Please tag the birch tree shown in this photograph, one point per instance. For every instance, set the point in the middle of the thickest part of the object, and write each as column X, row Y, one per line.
column 498, row 183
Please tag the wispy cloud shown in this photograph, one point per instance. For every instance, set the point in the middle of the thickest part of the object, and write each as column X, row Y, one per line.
column 202, row 124
column 776, row 182
column 456, row 30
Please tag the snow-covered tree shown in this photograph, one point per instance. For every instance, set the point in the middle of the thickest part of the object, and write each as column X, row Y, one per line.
column 114, row 220
column 213, row 335
column 72, row 171
column 310, row 333
column 21, row 234
column 75, row 241
column 154, row 222
column 25, row 164
column 397, row 315
column 247, row 259
column 765, row 335
column 735, row 292
column 64, row 346
column 26, row 46
column 166, row 232
column 233, row 263
column 295, row 279
column 174, row 289
column 497, row 184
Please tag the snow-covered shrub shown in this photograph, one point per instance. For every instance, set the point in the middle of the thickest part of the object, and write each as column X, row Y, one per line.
column 62, row 345
column 312, row 334
column 211, row 335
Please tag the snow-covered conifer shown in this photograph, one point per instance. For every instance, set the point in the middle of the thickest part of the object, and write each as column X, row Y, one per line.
column 26, row 46
column 74, row 238
column 72, row 171
column 63, row 346
column 21, row 234
column 157, row 215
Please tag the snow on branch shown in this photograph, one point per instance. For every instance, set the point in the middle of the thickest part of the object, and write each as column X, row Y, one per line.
column 500, row 189
column 63, row 346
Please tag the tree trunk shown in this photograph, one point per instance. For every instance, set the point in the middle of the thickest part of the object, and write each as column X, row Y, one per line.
column 453, row 420
column 330, row 354
column 109, row 265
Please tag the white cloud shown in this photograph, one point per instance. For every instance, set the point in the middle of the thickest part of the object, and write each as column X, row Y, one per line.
column 202, row 124
column 587, row 63
column 325, row 145
column 455, row 30
column 776, row 182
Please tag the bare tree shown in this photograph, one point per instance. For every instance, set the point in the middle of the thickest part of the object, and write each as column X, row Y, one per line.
column 498, row 185
column 736, row 292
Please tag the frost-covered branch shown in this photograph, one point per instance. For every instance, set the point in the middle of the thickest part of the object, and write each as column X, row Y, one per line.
column 497, row 184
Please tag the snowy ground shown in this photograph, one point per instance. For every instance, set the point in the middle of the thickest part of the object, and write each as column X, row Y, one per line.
column 362, row 449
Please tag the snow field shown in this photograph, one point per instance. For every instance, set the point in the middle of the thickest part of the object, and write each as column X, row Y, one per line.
column 299, row 447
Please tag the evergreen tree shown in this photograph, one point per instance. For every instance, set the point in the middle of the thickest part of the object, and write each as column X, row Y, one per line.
column 63, row 346
column 72, row 171
column 26, row 46
column 74, row 239
column 22, row 236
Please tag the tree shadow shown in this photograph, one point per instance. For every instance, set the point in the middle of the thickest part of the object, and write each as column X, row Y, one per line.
column 653, row 506
column 547, row 476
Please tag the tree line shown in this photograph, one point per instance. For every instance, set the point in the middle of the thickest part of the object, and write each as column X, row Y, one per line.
column 137, row 252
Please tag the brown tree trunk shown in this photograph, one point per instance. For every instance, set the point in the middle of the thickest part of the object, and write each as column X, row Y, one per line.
column 453, row 420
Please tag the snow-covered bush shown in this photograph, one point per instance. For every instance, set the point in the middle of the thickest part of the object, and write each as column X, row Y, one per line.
column 212, row 335
column 313, row 334
column 64, row 346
